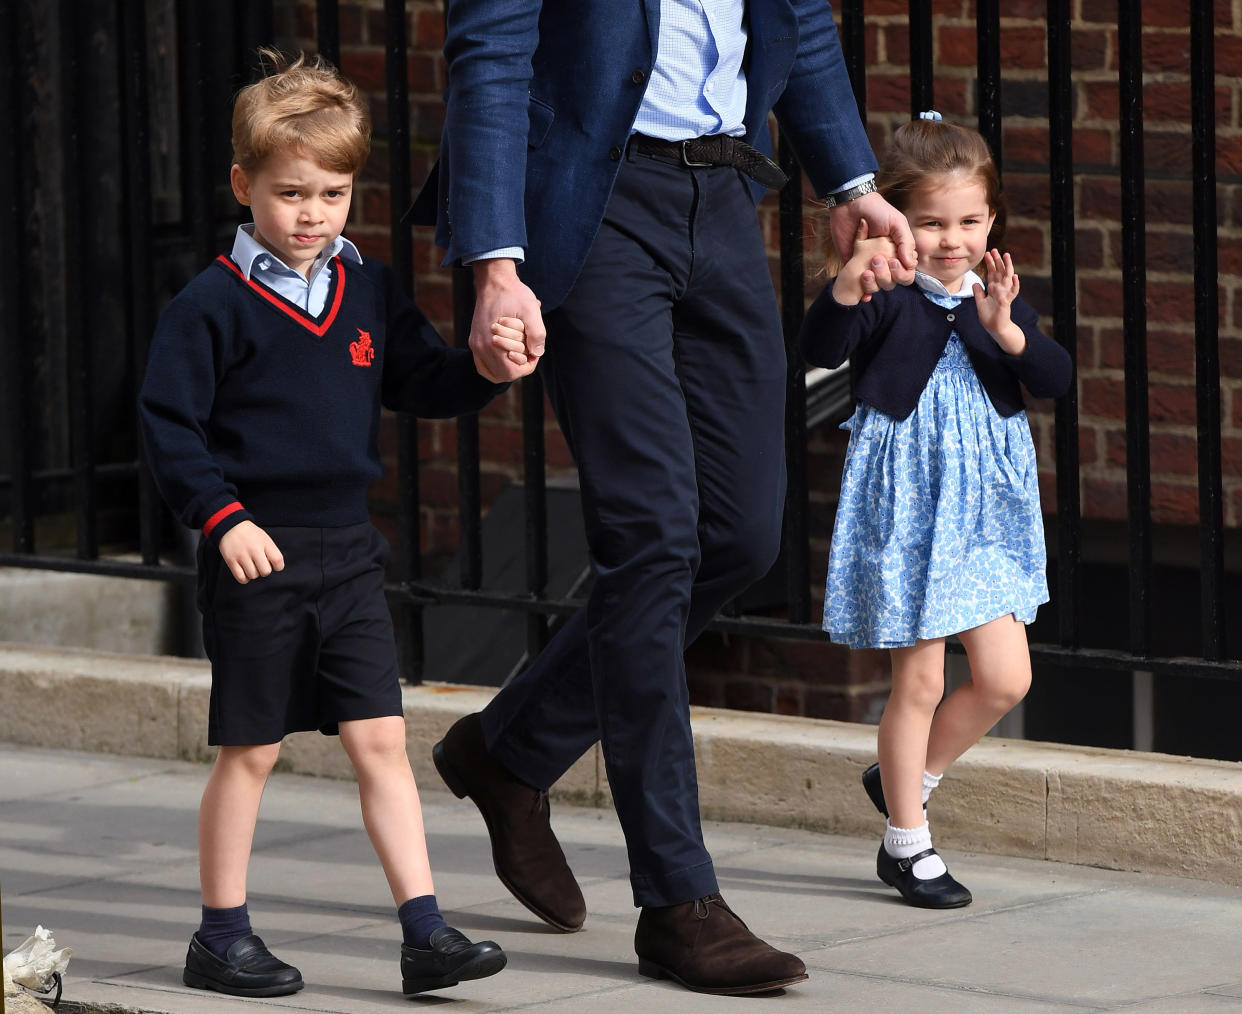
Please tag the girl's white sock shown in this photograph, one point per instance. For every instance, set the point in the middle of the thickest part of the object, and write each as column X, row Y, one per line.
column 903, row 842
column 930, row 781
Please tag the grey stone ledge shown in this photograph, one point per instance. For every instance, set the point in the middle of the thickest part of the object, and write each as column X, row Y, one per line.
column 1116, row 809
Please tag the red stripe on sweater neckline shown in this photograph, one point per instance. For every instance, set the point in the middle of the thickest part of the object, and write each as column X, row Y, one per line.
column 318, row 329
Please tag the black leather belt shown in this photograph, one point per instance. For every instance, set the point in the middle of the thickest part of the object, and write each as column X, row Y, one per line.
column 716, row 150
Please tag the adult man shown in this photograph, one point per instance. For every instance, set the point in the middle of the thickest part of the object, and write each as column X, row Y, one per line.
column 665, row 366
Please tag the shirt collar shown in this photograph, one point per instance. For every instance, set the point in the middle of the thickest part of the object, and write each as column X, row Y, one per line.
column 934, row 285
column 247, row 250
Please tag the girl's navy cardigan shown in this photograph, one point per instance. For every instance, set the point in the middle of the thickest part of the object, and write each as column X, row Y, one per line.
column 897, row 337
column 254, row 410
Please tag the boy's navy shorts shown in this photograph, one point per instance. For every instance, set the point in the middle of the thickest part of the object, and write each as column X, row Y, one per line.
column 304, row 648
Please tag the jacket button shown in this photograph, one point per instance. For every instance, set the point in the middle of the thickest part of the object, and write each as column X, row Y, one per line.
column 614, row 153
column 950, row 317
column 638, row 76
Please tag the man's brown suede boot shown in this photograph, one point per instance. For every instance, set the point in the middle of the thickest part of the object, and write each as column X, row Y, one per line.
column 707, row 948
column 528, row 858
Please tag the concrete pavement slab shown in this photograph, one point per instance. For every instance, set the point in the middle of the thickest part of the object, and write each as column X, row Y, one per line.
column 101, row 849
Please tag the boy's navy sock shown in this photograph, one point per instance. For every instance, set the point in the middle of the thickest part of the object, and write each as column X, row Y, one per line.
column 221, row 927
column 420, row 917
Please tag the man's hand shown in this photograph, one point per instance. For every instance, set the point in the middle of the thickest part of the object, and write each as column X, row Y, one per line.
column 882, row 220
column 500, row 293
column 250, row 552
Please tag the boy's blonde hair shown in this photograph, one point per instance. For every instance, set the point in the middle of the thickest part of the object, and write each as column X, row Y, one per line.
column 304, row 106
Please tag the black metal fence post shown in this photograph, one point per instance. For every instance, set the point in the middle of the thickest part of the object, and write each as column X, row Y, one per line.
column 1062, row 229
column 328, row 34
column 796, row 533
column 79, row 285
column 987, row 34
column 138, row 267
column 13, row 298
column 1134, row 297
column 1207, row 340
column 407, row 616
column 922, row 56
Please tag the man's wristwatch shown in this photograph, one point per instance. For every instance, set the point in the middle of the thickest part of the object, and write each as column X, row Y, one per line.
column 865, row 187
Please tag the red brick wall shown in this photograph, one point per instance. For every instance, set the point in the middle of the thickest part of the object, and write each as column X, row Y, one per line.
column 806, row 679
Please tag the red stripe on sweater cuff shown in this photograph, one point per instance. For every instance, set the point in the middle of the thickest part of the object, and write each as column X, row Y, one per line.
column 219, row 516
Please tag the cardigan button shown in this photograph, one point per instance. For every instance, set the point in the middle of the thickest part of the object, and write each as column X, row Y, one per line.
column 950, row 317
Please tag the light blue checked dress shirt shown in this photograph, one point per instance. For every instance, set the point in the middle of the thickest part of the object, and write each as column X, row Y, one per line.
column 697, row 86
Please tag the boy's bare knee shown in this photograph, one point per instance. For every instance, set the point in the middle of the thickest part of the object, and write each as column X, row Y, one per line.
column 376, row 740
column 254, row 761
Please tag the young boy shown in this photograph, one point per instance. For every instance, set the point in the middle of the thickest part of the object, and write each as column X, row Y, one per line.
column 261, row 409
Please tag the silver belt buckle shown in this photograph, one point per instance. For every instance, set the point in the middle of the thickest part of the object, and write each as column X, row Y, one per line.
column 685, row 159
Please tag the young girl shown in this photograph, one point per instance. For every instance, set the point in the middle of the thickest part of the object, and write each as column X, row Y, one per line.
column 939, row 530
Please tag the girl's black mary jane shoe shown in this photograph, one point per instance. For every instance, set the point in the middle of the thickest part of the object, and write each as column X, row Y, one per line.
column 940, row 892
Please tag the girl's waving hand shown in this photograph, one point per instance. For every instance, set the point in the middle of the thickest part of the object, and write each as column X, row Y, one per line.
column 994, row 302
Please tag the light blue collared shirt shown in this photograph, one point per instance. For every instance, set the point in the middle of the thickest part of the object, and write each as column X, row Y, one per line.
column 697, row 86
column 258, row 262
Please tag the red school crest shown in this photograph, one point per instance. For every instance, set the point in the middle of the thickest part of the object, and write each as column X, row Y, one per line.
column 361, row 352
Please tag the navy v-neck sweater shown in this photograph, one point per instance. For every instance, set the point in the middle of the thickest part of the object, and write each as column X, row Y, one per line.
column 252, row 409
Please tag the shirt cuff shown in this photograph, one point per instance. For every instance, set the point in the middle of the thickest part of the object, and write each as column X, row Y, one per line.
column 514, row 253
column 851, row 183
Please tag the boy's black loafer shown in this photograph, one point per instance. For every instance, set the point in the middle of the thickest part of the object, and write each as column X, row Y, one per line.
column 450, row 959
column 871, row 782
column 940, row 892
column 248, row 968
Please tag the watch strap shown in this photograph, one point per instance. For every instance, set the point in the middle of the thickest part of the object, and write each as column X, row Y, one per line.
column 844, row 196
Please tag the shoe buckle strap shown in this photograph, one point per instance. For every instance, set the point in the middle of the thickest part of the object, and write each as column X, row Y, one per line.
column 905, row 864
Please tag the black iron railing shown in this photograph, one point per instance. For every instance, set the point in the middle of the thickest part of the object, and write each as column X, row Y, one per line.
column 56, row 104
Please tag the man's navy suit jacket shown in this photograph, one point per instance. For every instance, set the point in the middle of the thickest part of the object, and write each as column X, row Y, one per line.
column 542, row 97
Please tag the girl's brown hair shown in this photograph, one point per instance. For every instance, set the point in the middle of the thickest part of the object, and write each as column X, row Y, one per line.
column 304, row 106
column 923, row 150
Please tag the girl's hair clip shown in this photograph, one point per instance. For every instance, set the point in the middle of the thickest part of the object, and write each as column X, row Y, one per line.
column 931, row 114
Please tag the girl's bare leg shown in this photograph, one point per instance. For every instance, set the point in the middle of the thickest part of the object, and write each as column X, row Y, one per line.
column 1000, row 675
column 918, row 684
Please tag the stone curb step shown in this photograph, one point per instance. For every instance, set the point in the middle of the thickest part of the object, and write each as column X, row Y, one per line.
column 1116, row 809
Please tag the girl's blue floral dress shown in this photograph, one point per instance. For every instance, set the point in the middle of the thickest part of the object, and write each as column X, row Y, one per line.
column 939, row 526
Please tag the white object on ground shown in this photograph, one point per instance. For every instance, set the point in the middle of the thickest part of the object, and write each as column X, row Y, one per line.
column 33, row 963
